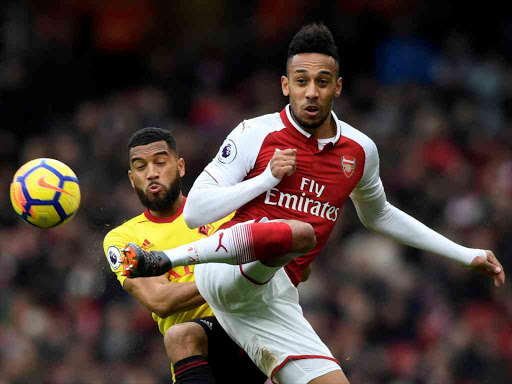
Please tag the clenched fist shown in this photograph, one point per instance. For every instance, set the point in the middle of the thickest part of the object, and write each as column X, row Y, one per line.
column 283, row 163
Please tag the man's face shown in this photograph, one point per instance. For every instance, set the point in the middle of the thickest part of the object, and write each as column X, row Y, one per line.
column 312, row 84
column 155, row 173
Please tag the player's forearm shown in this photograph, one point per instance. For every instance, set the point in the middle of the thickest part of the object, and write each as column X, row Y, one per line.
column 162, row 297
column 208, row 201
column 387, row 220
column 179, row 297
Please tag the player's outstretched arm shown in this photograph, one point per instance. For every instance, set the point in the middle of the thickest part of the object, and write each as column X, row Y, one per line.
column 389, row 221
column 162, row 297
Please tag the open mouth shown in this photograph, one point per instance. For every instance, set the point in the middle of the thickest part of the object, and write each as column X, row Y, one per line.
column 312, row 110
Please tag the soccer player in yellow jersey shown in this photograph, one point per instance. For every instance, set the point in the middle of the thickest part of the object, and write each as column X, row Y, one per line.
column 155, row 174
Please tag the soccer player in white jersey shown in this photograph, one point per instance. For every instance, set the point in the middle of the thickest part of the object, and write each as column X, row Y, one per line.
column 287, row 176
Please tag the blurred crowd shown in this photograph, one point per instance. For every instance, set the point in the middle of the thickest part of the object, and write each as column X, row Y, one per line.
column 78, row 78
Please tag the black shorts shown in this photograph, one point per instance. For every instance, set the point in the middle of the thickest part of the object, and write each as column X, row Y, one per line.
column 229, row 363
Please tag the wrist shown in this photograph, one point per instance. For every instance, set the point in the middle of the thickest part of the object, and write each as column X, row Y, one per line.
column 471, row 254
column 268, row 179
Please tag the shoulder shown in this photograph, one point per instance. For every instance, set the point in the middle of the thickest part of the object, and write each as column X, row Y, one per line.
column 271, row 119
column 116, row 239
column 261, row 125
column 247, row 138
column 358, row 137
column 126, row 229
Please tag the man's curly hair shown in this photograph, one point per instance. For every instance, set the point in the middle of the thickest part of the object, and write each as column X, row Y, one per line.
column 313, row 38
column 150, row 135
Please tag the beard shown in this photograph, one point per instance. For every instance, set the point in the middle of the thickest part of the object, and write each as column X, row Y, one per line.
column 165, row 202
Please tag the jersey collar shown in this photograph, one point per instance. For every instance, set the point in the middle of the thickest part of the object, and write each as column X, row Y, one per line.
column 177, row 214
column 289, row 122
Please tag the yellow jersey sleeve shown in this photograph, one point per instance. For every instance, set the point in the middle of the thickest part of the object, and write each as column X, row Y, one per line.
column 114, row 241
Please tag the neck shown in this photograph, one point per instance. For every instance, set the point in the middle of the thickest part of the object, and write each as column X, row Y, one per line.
column 171, row 211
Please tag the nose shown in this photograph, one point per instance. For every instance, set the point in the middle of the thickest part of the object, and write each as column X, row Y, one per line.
column 311, row 91
column 152, row 172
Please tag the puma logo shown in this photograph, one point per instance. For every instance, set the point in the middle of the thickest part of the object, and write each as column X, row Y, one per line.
column 221, row 235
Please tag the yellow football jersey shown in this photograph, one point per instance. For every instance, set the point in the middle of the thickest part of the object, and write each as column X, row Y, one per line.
column 150, row 232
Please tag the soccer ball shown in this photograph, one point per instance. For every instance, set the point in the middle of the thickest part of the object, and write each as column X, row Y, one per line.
column 45, row 193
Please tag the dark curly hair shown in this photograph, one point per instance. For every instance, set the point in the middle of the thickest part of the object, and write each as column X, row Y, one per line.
column 150, row 135
column 313, row 38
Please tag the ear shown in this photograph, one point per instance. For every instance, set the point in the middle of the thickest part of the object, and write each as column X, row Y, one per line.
column 181, row 166
column 339, row 83
column 131, row 178
column 284, row 86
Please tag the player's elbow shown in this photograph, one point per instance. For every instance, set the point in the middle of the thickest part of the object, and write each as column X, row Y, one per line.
column 365, row 220
column 189, row 215
column 191, row 222
column 371, row 226
column 365, row 223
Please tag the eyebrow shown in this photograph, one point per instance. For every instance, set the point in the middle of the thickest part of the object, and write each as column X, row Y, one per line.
column 322, row 72
column 135, row 158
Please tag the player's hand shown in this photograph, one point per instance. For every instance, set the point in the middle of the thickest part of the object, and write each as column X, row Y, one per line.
column 490, row 267
column 283, row 163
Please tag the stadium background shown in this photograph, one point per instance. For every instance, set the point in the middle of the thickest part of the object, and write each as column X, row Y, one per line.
column 431, row 84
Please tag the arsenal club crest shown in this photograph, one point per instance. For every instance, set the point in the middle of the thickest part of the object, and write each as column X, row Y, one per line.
column 348, row 165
